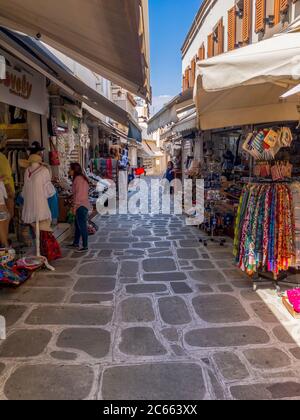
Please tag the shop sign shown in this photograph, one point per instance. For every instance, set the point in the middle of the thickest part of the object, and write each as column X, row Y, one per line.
column 24, row 88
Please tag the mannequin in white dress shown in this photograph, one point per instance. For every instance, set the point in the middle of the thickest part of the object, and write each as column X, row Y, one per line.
column 37, row 189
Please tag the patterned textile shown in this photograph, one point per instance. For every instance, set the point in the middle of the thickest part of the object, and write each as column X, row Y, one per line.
column 265, row 234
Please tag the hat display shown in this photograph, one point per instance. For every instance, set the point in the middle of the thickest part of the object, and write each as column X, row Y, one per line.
column 32, row 159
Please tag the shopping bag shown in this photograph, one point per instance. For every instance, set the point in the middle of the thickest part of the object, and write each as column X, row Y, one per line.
column 53, row 155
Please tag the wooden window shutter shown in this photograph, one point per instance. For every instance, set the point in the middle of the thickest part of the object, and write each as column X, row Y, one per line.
column 247, row 21
column 260, row 15
column 201, row 53
column 220, row 37
column 210, row 46
column 193, row 71
column 231, row 29
column 277, row 11
column 187, row 80
column 284, row 5
column 190, row 77
column 183, row 83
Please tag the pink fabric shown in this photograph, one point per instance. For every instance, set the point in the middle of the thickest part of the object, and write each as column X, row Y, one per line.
column 81, row 193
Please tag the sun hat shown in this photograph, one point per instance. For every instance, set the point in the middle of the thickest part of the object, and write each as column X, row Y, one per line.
column 32, row 159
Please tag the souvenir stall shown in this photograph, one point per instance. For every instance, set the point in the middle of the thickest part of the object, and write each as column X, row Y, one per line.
column 223, row 168
column 266, row 244
column 66, row 134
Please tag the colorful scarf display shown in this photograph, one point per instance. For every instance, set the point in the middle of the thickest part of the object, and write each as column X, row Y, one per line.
column 265, row 235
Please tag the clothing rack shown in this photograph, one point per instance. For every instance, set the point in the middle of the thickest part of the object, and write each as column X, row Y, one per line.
column 257, row 254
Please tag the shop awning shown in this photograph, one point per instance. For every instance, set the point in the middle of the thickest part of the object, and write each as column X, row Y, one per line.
column 109, row 37
column 245, row 86
column 187, row 123
column 168, row 114
column 35, row 54
column 2, row 67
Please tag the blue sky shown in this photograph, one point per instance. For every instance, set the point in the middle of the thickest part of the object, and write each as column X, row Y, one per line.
column 170, row 21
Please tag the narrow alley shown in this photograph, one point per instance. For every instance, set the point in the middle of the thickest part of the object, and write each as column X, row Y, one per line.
column 148, row 305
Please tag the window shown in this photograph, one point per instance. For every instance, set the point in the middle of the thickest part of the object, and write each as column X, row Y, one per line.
column 215, row 41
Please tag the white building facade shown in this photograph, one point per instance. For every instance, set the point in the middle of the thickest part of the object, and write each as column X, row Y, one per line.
column 224, row 25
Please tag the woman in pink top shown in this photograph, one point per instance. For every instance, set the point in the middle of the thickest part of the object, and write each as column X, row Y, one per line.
column 81, row 206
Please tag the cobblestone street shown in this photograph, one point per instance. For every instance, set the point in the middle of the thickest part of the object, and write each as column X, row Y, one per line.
column 148, row 314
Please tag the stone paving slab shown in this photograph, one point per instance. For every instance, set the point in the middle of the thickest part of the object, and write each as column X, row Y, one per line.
column 137, row 309
column 227, row 337
column 145, row 288
column 50, row 382
column 12, row 313
column 25, row 343
column 230, row 366
column 35, row 295
column 128, row 382
column 141, row 341
column 95, row 284
column 91, row 298
column 51, row 315
column 93, row 341
column 164, row 277
column 220, row 309
column 170, row 305
column 270, row 392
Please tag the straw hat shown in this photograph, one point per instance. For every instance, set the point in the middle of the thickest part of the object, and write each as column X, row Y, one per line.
column 32, row 159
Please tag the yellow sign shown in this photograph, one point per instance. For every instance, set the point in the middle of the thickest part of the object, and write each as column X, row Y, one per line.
column 17, row 85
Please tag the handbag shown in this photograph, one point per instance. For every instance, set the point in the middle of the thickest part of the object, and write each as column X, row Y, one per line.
column 53, row 155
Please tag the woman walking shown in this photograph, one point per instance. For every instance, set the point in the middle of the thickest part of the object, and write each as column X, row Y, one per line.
column 81, row 206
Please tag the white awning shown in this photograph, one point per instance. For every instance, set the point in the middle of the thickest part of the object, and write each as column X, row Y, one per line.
column 245, row 86
column 186, row 124
column 36, row 55
column 109, row 37
column 2, row 67
column 168, row 114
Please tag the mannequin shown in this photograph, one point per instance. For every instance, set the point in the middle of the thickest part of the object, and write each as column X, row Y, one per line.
column 37, row 189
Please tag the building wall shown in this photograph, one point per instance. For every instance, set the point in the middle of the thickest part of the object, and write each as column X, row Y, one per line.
column 212, row 11
column 217, row 10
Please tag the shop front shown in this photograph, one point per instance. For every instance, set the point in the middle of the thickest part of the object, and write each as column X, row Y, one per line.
column 23, row 119
column 251, row 156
